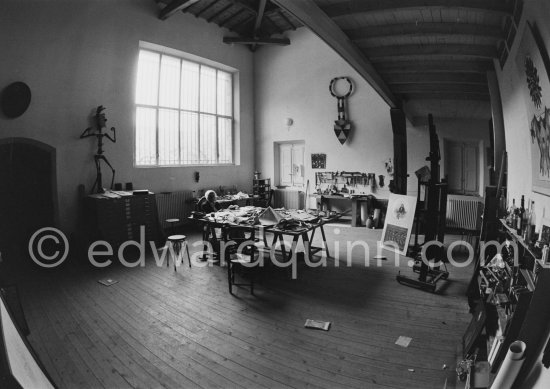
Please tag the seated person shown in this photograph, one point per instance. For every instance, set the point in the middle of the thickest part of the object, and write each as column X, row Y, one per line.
column 208, row 203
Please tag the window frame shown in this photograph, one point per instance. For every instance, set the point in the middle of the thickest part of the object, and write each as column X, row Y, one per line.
column 182, row 56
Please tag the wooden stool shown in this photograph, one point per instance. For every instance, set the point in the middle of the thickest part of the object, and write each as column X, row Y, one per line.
column 176, row 242
column 172, row 225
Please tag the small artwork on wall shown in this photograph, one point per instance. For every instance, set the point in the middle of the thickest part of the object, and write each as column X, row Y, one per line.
column 318, row 161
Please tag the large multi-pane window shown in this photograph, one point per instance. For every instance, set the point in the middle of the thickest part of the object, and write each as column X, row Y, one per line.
column 184, row 112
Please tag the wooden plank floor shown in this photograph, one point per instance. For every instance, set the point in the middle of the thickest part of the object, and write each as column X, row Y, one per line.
column 158, row 328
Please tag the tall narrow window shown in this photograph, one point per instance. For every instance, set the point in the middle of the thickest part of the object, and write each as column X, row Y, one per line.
column 184, row 112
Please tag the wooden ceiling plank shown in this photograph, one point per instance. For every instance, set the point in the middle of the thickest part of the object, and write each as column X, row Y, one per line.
column 175, row 6
column 444, row 96
column 437, row 88
column 481, row 51
column 441, row 77
column 221, row 11
column 500, row 7
column 223, row 22
column 309, row 14
column 286, row 19
column 204, row 9
column 424, row 29
column 472, row 66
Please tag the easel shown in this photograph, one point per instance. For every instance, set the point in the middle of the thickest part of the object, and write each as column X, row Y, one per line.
column 98, row 157
column 433, row 214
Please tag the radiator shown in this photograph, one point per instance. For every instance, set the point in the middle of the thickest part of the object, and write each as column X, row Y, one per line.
column 289, row 199
column 464, row 212
column 174, row 205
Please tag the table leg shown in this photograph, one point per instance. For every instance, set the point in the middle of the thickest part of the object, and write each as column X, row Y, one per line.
column 355, row 214
column 307, row 246
column 325, row 245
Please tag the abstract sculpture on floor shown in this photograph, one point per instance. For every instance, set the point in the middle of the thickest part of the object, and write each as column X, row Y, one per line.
column 98, row 157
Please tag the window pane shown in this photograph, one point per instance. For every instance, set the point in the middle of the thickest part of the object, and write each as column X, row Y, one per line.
column 189, row 138
column 168, row 137
column 225, row 91
column 169, row 82
column 208, row 139
column 208, row 89
column 146, row 139
column 225, row 140
column 190, row 86
column 147, row 78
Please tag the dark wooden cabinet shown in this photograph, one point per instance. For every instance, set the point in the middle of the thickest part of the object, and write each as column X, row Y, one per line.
column 117, row 220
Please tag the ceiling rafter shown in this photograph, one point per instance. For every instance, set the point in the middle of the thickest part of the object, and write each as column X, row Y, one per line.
column 482, row 51
column 175, row 6
column 412, row 29
column 286, row 19
column 308, row 13
column 501, row 7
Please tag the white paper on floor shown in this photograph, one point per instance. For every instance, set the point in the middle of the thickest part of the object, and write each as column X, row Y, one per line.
column 403, row 341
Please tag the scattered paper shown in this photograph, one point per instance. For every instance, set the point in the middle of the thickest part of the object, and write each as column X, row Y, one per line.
column 317, row 324
column 403, row 341
column 107, row 281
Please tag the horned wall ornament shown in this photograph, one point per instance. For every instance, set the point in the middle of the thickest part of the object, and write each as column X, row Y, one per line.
column 342, row 126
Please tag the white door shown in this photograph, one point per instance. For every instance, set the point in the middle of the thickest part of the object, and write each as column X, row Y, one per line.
column 285, row 158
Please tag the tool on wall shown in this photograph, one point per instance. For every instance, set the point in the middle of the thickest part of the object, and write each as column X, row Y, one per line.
column 342, row 126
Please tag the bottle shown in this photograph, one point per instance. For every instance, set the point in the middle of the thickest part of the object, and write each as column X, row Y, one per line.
column 502, row 205
column 531, row 223
column 512, row 214
column 521, row 215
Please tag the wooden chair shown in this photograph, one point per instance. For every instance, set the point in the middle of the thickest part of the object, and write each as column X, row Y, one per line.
column 240, row 254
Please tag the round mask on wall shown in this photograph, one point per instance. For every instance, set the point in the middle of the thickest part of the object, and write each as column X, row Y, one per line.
column 16, row 98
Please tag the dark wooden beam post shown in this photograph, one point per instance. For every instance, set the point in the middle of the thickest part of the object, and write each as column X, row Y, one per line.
column 399, row 127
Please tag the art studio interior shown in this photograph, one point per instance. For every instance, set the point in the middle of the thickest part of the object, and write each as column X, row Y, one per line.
column 274, row 194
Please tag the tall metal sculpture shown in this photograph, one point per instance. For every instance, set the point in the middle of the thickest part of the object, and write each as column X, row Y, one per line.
column 97, row 131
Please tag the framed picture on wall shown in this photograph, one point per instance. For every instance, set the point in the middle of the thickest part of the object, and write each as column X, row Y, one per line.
column 318, row 161
column 398, row 223
column 532, row 65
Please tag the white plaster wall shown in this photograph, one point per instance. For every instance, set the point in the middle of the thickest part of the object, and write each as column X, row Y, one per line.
column 78, row 54
column 293, row 82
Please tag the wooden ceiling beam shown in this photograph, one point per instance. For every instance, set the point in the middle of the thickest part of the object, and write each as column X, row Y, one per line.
column 418, row 29
column 256, row 41
column 462, row 66
column 175, row 6
column 501, row 7
column 444, row 96
column 436, row 78
column 310, row 15
column 481, row 51
column 438, row 88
